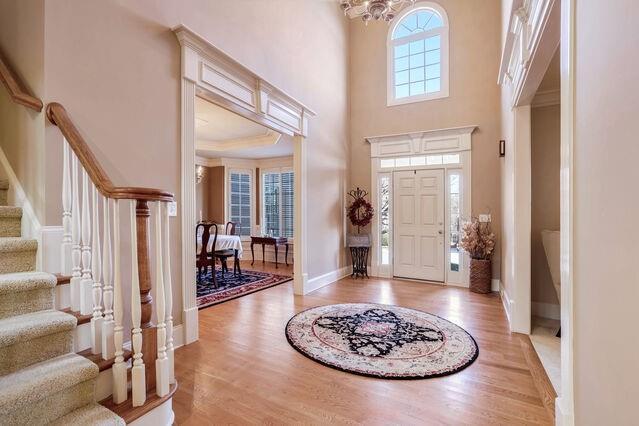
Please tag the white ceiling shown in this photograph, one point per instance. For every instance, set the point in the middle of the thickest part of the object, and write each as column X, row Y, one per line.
column 216, row 124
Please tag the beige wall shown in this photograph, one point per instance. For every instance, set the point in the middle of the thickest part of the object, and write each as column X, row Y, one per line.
column 115, row 66
column 606, row 278
column 545, row 144
column 474, row 97
column 21, row 129
column 209, row 195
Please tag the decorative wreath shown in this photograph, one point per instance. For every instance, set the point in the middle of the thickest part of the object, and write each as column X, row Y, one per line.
column 360, row 212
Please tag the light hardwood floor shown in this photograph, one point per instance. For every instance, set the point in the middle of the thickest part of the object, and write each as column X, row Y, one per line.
column 243, row 371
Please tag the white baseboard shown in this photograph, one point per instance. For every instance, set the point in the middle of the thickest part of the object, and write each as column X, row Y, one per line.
column 563, row 416
column 189, row 326
column 507, row 302
column 326, row 279
column 18, row 198
column 495, row 284
column 546, row 310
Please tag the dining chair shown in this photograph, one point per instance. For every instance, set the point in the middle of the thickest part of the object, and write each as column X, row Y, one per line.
column 204, row 258
column 224, row 254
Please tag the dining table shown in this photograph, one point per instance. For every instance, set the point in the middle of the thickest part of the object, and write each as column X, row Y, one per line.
column 224, row 242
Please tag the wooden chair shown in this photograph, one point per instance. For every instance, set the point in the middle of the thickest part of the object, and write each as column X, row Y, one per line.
column 204, row 258
column 223, row 255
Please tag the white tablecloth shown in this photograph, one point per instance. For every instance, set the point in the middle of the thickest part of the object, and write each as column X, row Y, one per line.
column 223, row 242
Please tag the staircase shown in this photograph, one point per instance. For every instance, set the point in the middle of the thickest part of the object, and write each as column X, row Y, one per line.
column 42, row 380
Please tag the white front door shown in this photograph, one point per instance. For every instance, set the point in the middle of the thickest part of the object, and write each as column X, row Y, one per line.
column 418, row 237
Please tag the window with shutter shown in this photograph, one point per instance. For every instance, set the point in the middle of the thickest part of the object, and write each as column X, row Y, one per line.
column 240, row 200
column 277, row 202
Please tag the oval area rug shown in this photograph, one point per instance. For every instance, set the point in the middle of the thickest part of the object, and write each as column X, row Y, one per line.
column 384, row 341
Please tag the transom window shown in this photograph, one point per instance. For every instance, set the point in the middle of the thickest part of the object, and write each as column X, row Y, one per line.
column 418, row 55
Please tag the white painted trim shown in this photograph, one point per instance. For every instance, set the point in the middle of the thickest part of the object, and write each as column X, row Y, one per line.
column 426, row 141
column 328, row 278
column 160, row 415
column 507, row 302
column 495, row 285
column 210, row 73
column 546, row 98
column 442, row 31
column 565, row 404
column 546, row 310
column 17, row 197
column 269, row 139
column 51, row 255
column 178, row 336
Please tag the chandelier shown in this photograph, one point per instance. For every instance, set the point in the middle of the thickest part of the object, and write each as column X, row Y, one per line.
column 374, row 9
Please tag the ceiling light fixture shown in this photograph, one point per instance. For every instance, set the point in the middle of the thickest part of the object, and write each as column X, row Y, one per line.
column 384, row 10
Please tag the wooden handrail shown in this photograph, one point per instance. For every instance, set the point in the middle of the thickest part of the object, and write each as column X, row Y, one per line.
column 58, row 116
column 16, row 89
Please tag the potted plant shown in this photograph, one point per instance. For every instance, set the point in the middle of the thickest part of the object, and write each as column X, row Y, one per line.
column 479, row 242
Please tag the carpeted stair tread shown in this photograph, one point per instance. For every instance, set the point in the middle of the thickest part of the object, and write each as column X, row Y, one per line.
column 4, row 184
column 40, row 382
column 26, row 281
column 17, row 254
column 10, row 221
column 21, row 328
column 26, row 292
column 8, row 211
column 93, row 414
column 13, row 244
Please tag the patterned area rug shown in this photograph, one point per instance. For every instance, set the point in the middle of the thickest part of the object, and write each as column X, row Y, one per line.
column 384, row 341
column 231, row 287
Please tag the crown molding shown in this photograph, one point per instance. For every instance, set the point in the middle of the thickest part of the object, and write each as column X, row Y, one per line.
column 269, row 139
column 236, row 87
column 547, row 98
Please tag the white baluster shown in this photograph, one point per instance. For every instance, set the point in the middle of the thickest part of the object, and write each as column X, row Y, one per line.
column 67, row 242
column 86, row 285
column 76, row 255
column 119, row 367
column 162, row 362
column 96, row 273
column 138, row 380
column 108, row 348
column 168, row 294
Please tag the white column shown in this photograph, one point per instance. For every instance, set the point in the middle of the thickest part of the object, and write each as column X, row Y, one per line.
column 108, row 347
column 168, row 294
column 67, row 241
column 76, row 255
column 96, row 273
column 161, row 362
column 299, row 254
column 119, row 367
column 86, row 285
column 138, row 380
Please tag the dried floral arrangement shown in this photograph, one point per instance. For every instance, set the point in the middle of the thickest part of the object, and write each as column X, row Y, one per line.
column 360, row 212
column 477, row 239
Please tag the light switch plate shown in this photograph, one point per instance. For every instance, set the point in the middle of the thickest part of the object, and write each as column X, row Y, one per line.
column 484, row 218
column 173, row 209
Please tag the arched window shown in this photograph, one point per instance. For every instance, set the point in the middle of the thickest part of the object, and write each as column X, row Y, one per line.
column 418, row 55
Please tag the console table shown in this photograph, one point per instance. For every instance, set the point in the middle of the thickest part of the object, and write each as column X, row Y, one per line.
column 269, row 241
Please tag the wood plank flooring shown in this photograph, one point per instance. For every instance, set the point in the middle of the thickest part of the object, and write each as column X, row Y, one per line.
column 243, row 371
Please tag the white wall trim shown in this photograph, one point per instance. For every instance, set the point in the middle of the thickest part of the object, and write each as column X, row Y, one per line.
column 507, row 302
column 495, row 285
column 328, row 278
column 50, row 243
column 546, row 310
column 211, row 74
column 546, row 98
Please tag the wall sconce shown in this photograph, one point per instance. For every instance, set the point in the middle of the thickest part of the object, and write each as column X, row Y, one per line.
column 199, row 173
column 502, row 148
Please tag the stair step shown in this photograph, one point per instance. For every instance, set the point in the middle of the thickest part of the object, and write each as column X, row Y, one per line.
column 4, row 187
column 44, row 392
column 103, row 364
column 63, row 279
column 32, row 338
column 25, row 292
column 129, row 413
column 82, row 319
column 10, row 221
column 17, row 254
column 93, row 414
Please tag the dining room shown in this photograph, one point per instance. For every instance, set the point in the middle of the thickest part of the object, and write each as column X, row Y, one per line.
column 244, row 199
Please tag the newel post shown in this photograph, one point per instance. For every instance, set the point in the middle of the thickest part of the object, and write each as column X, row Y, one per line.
column 149, row 334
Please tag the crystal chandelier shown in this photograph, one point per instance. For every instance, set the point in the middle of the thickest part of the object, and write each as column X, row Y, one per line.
column 374, row 9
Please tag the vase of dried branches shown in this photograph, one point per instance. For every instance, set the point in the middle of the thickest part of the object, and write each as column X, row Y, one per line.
column 479, row 242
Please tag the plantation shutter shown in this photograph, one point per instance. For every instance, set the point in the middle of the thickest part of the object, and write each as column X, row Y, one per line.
column 240, row 200
column 287, row 204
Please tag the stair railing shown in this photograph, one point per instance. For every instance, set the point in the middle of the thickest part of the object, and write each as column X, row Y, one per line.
column 19, row 94
column 97, row 285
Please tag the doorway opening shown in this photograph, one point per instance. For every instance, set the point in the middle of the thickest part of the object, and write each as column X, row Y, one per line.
column 421, row 185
